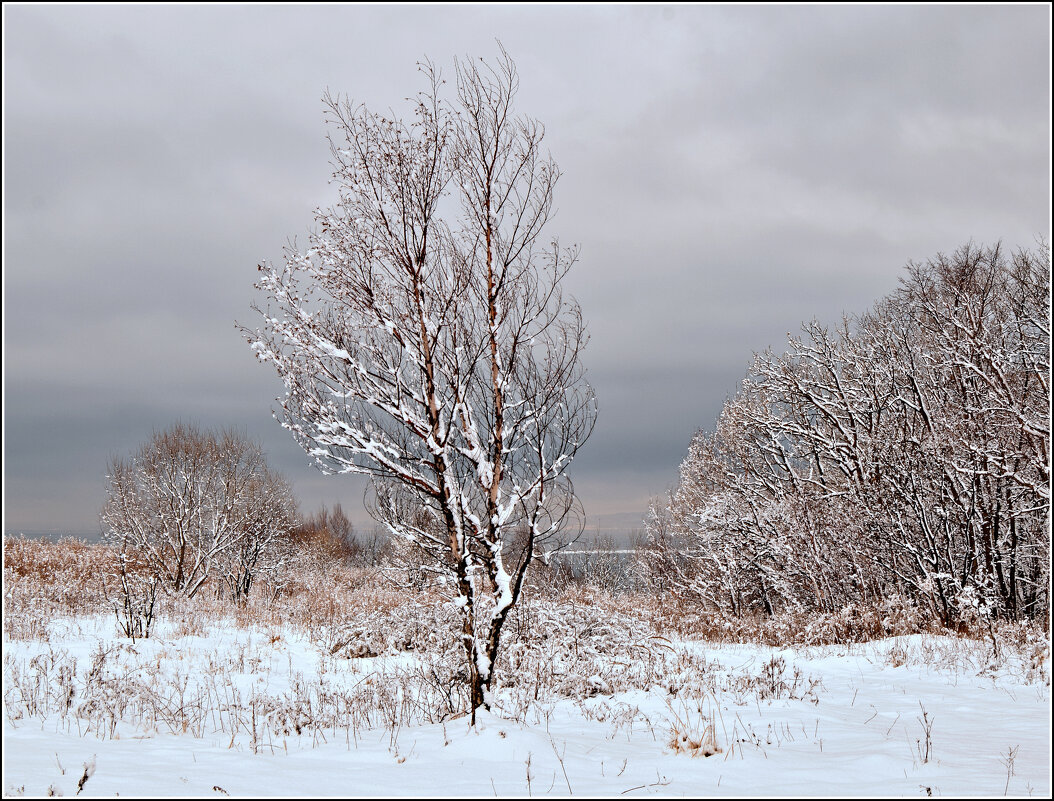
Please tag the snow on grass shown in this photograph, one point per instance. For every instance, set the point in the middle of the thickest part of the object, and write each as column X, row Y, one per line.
column 271, row 711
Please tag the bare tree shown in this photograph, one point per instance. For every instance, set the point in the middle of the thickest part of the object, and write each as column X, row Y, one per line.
column 192, row 504
column 424, row 341
column 328, row 536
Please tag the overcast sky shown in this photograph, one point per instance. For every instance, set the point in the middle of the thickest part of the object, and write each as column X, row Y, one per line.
column 728, row 173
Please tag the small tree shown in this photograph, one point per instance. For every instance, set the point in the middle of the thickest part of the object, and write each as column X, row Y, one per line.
column 134, row 598
column 191, row 503
column 424, row 341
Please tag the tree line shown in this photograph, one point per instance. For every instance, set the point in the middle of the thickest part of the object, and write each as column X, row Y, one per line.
column 903, row 452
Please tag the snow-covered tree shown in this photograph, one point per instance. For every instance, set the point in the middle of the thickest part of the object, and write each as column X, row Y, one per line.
column 194, row 504
column 424, row 340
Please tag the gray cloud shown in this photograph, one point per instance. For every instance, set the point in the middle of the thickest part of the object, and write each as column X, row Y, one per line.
column 729, row 172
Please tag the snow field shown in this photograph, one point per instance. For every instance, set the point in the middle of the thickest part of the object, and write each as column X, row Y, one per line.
column 591, row 705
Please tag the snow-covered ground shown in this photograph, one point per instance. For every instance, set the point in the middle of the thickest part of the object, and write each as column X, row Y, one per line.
column 216, row 712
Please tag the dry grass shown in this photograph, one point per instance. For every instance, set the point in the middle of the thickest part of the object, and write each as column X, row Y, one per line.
column 46, row 580
column 564, row 640
column 692, row 731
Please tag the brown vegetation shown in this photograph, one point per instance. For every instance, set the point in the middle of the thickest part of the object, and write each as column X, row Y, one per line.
column 45, row 581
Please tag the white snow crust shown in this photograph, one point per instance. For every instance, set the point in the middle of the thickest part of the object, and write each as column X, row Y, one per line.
column 860, row 730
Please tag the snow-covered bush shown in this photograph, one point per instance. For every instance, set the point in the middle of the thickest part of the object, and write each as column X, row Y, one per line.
column 197, row 505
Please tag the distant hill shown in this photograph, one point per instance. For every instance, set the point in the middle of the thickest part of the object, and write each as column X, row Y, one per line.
column 95, row 536
column 617, row 525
